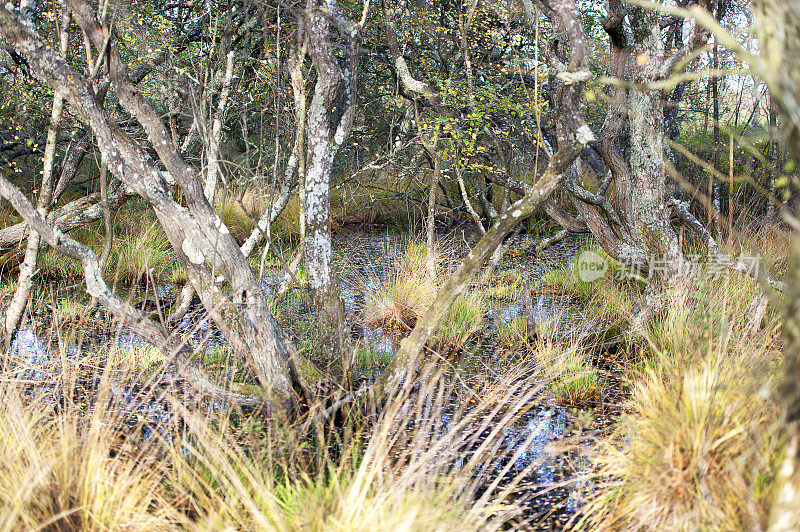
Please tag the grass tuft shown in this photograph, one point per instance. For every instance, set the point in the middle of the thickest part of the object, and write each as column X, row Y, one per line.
column 505, row 285
column 696, row 446
column 66, row 472
column 464, row 321
column 406, row 295
column 138, row 253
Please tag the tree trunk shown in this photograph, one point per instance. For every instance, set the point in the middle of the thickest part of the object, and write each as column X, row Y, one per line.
column 203, row 243
column 25, row 281
column 576, row 136
column 322, row 147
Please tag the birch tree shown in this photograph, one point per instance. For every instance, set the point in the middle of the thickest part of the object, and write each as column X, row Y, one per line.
column 325, row 138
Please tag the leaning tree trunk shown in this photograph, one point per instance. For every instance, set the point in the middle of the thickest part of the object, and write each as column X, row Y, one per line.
column 202, row 242
column 577, row 135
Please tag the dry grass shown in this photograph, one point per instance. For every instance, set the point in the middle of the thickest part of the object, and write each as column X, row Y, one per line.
column 769, row 241
column 381, row 199
column 64, row 470
column 287, row 225
column 402, row 301
column 696, row 446
column 410, row 291
column 410, row 468
column 239, row 221
column 407, row 294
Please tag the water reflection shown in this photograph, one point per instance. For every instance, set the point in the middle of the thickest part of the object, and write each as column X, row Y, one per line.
column 363, row 260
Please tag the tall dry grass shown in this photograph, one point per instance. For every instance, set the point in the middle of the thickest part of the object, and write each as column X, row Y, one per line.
column 407, row 293
column 696, row 447
column 401, row 299
column 65, row 466
column 78, row 456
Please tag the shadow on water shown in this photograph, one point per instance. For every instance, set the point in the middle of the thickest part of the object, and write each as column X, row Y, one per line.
column 558, row 439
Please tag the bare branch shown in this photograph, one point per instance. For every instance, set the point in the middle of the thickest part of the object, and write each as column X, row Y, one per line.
column 682, row 210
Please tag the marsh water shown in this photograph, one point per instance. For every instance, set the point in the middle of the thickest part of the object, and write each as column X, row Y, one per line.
column 557, row 439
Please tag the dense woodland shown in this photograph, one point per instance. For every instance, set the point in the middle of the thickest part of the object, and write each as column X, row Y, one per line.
column 400, row 265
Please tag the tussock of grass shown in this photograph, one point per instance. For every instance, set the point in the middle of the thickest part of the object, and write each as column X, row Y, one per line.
column 368, row 356
column 178, row 275
column 410, row 291
column 384, row 203
column 577, row 383
column 463, row 322
column 516, row 334
column 505, row 285
column 404, row 300
column 287, row 225
column 697, row 444
column 7, row 289
column 565, row 281
column 573, row 380
column 406, row 295
column 696, row 447
column 70, row 313
column 407, row 467
column 414, row 261
column 65, row 472
column 397, row 478
column 129, row 358
column 55, row 265
column 139, row 252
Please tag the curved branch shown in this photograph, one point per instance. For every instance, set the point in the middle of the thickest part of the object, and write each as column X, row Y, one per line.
column 71, row 216
column 152, row 332
column 682, row 210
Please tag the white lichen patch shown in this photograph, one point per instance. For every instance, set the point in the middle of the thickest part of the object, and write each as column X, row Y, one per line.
column 517, row 213
column 221, row 227
column 585, row 135
column 95, row 285
column 191, row 251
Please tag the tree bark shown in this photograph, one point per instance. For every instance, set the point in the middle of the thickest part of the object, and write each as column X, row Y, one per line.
column 25, row 281
column 202, row 242
column 576, row 136
column 322, row 147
